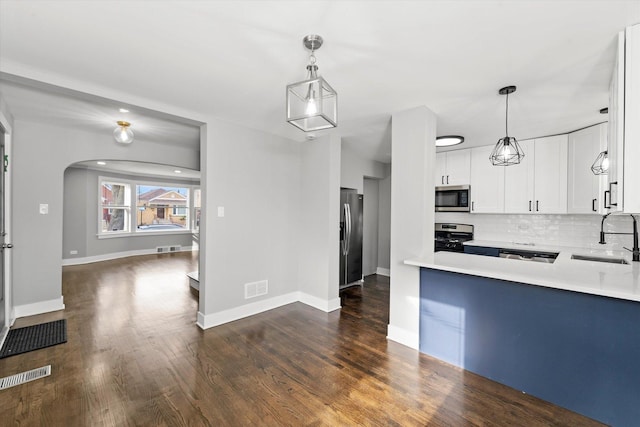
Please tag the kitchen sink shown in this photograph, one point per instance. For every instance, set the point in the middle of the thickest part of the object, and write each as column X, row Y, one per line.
column 599, row 259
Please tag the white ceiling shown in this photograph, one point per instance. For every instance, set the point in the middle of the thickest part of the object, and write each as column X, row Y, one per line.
column 233, row 60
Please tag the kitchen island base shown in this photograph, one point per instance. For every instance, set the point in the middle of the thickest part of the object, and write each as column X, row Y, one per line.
column 576, row 350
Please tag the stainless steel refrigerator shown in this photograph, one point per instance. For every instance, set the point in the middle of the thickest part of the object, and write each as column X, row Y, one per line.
column 350, row 238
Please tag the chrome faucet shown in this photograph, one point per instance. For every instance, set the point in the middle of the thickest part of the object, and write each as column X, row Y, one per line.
column 636, row 250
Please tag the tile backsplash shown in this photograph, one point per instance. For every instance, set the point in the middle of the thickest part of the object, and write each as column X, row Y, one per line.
column 562, row 230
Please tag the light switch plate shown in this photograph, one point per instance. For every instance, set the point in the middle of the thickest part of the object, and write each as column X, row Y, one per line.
column 44, row 208
column 220, row 211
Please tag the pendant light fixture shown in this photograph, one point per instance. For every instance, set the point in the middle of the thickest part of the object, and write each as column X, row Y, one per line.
column 123, row 133
column 507, row 151
column 601, row 165
column 312, row 104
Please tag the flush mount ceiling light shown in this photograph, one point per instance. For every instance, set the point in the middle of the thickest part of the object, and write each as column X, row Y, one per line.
column 312, row 104
column 604, row 110
column 507, row 151
column 449, row 140
column 601, row 165
column 123, row 133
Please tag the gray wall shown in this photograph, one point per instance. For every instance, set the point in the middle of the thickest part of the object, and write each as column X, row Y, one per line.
column 80, row 226
column 384, row 222
column 370, row 227
column 41, row 153
column 256, row 178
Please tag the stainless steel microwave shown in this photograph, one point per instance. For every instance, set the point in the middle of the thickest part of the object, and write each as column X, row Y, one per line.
column 453, row 198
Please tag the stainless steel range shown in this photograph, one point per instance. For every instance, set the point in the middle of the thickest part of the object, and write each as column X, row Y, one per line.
column 450, row 237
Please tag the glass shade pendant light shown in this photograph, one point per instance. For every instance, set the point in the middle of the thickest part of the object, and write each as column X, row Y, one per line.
column 601, row 165
column 123, row 133
column 507, row 151
column 312, row 104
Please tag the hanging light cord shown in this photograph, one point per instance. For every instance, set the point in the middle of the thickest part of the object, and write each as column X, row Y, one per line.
column 506, row 120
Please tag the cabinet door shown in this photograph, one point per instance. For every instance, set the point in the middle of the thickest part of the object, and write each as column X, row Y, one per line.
column 583, row 187
column 487, row 182
column 518, row 182
column 440, row 169
column 616, row 129
column 458, row 167
column 550, row 175
column 631, row 198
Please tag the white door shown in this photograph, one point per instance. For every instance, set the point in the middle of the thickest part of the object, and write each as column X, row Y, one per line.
column 487, row 182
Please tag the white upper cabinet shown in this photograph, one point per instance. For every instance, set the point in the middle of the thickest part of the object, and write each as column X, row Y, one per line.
column 487, row 182
column 585, row 191
column 624, row 124
column 539, row 183
column 452, row 167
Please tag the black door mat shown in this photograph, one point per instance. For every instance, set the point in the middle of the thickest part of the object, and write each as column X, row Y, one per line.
column 34, row 337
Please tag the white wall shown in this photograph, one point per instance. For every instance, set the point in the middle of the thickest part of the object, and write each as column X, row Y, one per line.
column 557, row 230
column 41, row 154
column 412, row 216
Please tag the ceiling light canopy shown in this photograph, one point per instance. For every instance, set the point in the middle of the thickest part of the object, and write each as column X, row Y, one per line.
column 123, row 133
column 601, row 165
column 312, row 104
column 449, row 140
column 507, row 151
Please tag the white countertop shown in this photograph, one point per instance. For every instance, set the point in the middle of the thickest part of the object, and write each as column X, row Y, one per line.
column 591, row 277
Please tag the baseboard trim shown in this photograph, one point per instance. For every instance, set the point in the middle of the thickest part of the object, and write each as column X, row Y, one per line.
column 117, row 255
column 39, row 307
column 206, row 321
column 321, row 304
column 403, row 336
column 383, row 271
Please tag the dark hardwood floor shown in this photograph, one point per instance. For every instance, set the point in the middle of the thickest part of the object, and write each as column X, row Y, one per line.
column 135, row 357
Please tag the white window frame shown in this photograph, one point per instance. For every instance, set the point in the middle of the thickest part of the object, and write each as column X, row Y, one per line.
column 126, row 207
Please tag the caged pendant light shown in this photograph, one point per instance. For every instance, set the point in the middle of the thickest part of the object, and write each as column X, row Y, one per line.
column 601, row 165
column 312, row 104
column 507, row 151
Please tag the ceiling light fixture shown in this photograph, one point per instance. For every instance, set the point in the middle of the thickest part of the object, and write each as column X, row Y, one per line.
column 312, row 104
column 601, row 165
column 449, row 140
column 123, row 133
column 101, row 163
column 123, row 110
column 604, row 110
column 507, row 151
column 177, row 171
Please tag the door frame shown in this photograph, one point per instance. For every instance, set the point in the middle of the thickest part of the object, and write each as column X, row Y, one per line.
column 9, row 315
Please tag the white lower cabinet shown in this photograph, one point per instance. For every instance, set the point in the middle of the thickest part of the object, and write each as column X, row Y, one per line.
column 539, row 183
column 585, row 191
column 487, row 182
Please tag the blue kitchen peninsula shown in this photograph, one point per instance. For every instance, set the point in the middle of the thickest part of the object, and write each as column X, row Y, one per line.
column 567, row 332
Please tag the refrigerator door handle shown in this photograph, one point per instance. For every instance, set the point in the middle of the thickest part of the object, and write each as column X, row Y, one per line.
column 343, row 243
column 348, row 223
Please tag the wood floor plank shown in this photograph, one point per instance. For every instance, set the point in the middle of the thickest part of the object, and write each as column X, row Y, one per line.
column 134, row 357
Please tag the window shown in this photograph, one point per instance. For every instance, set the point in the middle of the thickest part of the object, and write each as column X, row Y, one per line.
column 162, row 207
column 115, row 207
column 197, row 204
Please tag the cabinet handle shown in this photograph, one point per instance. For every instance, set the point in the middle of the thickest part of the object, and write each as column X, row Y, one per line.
column 529, row 205
column 473, row 208
column 610, row 202
column 447, row 179
column 442, row 180
column 593, row 205
column 537, row 206
column 607, row 205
